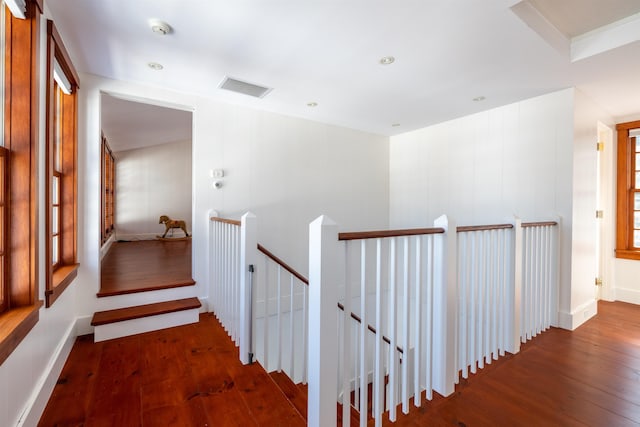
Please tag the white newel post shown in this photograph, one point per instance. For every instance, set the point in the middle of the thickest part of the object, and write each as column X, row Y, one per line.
column 322, row 333
column 248, row 259
column 517, row 285
column 445, row 313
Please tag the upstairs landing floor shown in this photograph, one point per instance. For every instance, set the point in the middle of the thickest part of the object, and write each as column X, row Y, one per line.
column 190, row 376
column 145, row 265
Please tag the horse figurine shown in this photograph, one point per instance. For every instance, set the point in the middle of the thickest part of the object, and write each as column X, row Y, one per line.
column 170, row 224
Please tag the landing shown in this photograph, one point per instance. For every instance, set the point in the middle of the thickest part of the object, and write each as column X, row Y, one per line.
column 145, row 266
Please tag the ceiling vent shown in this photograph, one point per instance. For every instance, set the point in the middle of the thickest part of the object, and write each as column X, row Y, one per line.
column 244, row 87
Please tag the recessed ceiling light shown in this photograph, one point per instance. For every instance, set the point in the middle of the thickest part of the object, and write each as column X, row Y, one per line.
column 312, row 104
column 155, row 66
column 395, row 125
column 479, row 98
column 386, row 60
column 160, row 27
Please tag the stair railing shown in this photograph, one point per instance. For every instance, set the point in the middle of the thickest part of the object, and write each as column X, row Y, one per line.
column 507, row 288
column 477, row 294
column 485, row 295
column 233, row 253
column 281, row 316
column 540, row 270
column 399, row 279
column 442, row 304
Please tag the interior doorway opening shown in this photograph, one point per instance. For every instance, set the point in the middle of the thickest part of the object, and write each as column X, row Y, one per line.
column 146, row 177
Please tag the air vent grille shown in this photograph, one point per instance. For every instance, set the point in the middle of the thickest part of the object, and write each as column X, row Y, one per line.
column 244, row 88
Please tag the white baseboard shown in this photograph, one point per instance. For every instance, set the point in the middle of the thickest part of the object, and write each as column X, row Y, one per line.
column 44, row 387
column 145, row 324
column 107, row 245
column 139, row 236
column 204, row 308
column 578, row 316
column 627, row 295
column 83, row 325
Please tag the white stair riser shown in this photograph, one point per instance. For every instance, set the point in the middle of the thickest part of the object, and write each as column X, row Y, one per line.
column 142, row 298
column 145, row 324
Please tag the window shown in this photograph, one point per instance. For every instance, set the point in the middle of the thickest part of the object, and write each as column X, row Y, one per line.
column 4, row 285
column 61, row 171
column 108, row 190
column 628, row 189
column 18, row 181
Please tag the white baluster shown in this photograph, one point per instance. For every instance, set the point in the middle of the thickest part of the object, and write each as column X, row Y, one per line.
column 418, row 328
column 346, row 380
column 405, row 327
column 429, row 338
column 378, row 386
column 279, row 319
column 393, row 378
column 364, row 374
column 292, row 349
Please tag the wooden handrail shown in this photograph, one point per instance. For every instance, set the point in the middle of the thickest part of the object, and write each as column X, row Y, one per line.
column 283, row 264
column 371, row 328
column 359, row 235
column 468, row 228
column 226, row 221
column 304, row 280
column 539, row 224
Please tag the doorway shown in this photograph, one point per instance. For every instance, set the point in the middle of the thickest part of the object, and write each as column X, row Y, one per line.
column 605, row 213
column 148, row 159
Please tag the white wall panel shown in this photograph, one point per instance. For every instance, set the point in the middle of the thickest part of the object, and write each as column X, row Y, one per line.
column 150, row 182
column 512, row 160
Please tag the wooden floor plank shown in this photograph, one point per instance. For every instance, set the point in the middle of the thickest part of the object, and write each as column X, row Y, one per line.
column 145, row 265
column 146, row 310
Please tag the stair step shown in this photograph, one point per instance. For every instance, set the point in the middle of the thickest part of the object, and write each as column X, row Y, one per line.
column 136, row 312
column 354, row 416
column 296, row 395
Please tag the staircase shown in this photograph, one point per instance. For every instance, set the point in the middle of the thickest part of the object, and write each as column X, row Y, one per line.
column 145, row 286
column 296, row 394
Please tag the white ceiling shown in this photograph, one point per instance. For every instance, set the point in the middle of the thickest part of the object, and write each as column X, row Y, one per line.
column 129, row 125
column 447, row 53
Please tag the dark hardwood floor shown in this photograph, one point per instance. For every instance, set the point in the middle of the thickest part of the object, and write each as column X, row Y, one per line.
column 588, row 377
column 183, row 376
column 145, row 265
column 190, row 376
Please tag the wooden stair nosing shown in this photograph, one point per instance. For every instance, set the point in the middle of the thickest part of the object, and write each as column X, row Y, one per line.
column 146, row 310
column 178, row 284
column 292, row 392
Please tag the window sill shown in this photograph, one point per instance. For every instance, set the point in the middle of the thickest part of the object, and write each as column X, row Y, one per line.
column 60, row 280
column 627, row 254
column 15, row 324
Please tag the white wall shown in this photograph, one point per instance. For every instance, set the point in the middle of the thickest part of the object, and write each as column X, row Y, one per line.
column 584, row 260
column 286, row 170
column 150, row 182
column 487, row 167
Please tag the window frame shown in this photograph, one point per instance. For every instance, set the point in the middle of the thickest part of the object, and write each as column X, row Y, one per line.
column 4, row 241
column 625, row 189
column 21, row 139
column 108, row 190
column 61, row 132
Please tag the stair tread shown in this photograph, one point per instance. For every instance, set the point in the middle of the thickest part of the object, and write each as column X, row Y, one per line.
column 295, row 395
column 146, row 310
